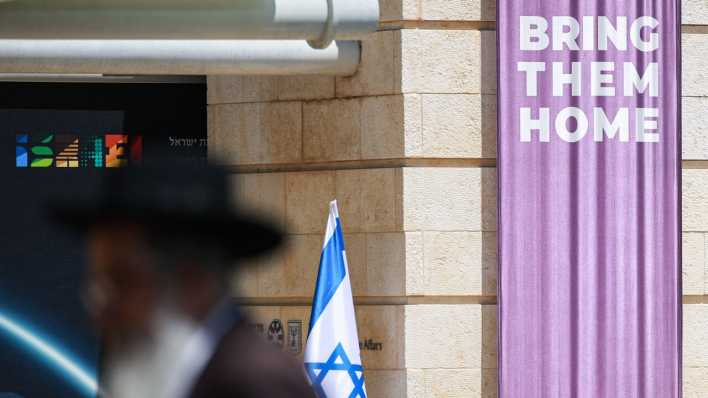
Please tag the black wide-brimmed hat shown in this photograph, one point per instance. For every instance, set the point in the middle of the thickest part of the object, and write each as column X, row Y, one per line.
column 175, row 199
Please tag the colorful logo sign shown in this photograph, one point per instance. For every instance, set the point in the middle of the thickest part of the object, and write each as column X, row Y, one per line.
column 71, row 151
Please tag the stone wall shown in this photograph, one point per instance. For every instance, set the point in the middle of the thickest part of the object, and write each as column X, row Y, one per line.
column 407, row 146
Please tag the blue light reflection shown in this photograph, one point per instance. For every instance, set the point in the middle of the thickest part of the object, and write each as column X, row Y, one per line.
column 50, row 355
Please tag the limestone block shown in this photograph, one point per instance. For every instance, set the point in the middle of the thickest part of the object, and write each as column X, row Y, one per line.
column 369, row 199
column 382, row 327
column 220, row 146
column 385, row 257
column 705, row 270
column 243, row 89
column 391, row 126
column 394, row 10
column 273, row 269
column 694, row 12
column 489, row 198
column 385, row 383
column 443, row 336
column 453, row 383
column 695, row 382
column 307, row 201
column 440, row 61
column 449, row 199
column 695, row 64
column 453, row 263
column 349, row 199
column 256, row 277
column 695, row 200
column 260, row 275
column 332, row 130
column 490, row 383
column 376, row 267
column 489, row 263
column 415, row 383
column 489, row 126
column 262, row 194
column 488, row 53
column 390, row 10
column 448, row 61
column 695, row 120
column 295, row 272
column 489, row 337
column 413, row 125
column 695, row 335
column 459, row 125
column 694, row 264
column 238, row 89
column 357, row 261
column 459, row 10
column 256, row 132
column 305, row 87
column 441, row 199
column 379, row 70
column 433, row 383
column 415, row 269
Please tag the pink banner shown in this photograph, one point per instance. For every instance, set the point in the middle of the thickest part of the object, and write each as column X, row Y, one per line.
column 589, row 199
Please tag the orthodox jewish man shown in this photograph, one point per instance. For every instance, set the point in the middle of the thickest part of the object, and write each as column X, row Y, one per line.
column 162, row 243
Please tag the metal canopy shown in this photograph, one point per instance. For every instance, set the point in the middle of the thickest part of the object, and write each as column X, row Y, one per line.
column 184, row 37
column 177, row 57
column 187, row 19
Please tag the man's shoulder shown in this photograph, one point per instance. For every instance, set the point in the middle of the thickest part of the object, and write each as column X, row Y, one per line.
column 254, row 351
column 245, row 364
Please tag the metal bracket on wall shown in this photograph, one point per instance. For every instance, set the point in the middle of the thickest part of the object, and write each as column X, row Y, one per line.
column 329, row 33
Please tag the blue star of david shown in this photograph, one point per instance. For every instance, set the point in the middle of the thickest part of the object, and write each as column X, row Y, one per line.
column 331, row 365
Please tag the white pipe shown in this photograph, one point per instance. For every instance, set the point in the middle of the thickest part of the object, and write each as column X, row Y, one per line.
column 312, row 20
column 177, row 57
column 99, row 78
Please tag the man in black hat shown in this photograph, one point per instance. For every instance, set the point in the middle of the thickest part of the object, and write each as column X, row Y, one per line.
column 162, row 242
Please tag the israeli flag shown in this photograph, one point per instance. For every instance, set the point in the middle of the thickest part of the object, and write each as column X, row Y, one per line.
column 332, row 357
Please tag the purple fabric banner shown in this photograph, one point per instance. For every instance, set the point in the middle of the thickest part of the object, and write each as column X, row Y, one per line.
column 589, row 199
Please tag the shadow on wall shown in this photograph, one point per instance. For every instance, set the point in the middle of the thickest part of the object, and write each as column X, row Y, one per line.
column 487, row 55
column 489, row 10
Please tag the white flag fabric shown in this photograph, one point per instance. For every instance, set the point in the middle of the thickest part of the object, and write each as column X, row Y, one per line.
column 332, row 356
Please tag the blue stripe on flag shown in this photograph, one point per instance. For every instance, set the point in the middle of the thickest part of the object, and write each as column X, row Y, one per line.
column 331, row 275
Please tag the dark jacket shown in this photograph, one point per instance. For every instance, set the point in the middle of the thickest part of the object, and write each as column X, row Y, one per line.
column 245, row 365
